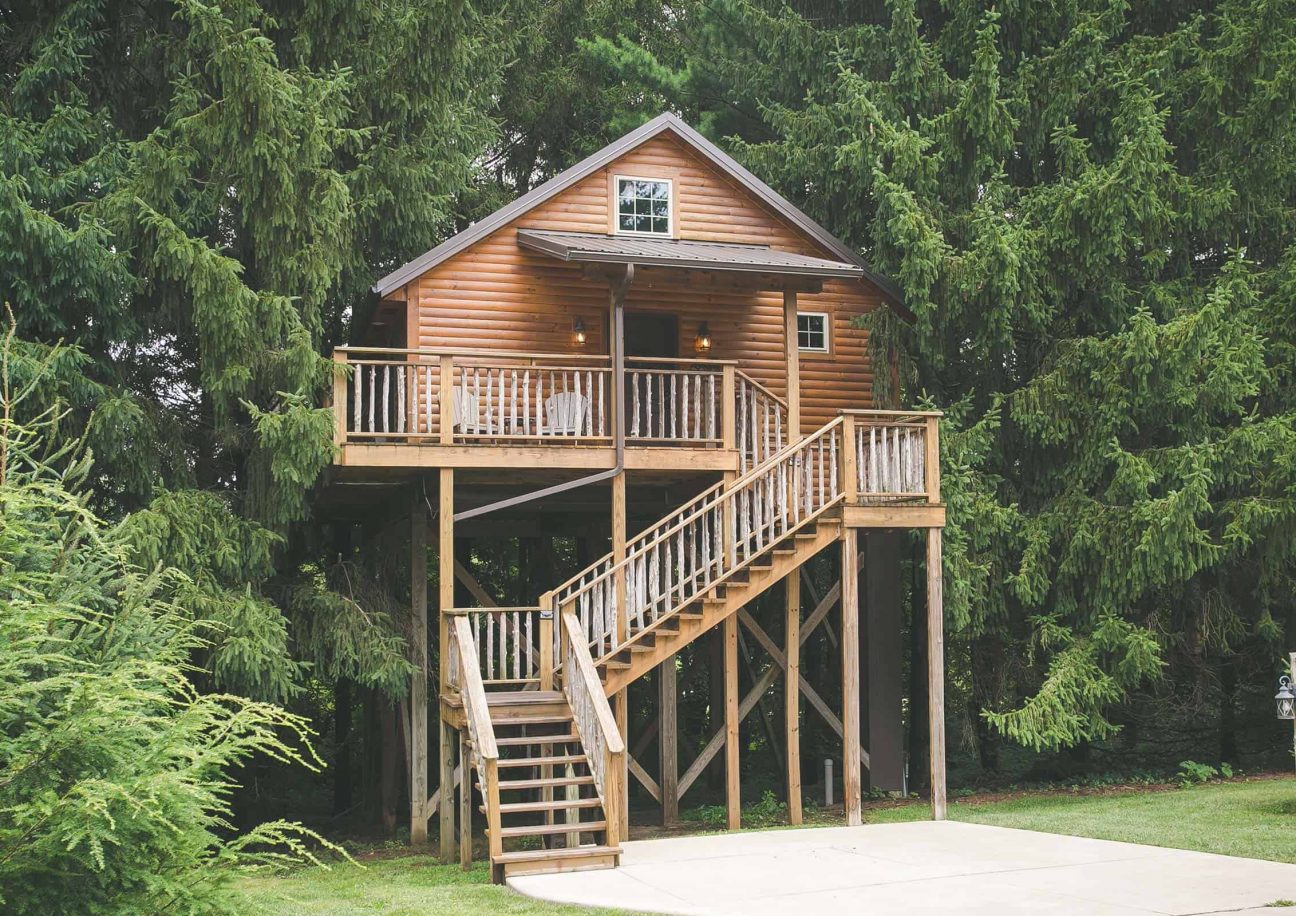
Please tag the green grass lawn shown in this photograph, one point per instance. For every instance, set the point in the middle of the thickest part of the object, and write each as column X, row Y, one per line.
column 1253, row 818
column 401, row 886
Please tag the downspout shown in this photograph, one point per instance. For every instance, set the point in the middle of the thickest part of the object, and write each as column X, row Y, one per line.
column 617, row 347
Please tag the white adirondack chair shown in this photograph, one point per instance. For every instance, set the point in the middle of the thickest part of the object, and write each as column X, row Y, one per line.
column 564, row 414
column 467, row 413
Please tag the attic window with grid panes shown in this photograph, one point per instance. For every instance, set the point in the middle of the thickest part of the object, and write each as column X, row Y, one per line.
column 643, row 206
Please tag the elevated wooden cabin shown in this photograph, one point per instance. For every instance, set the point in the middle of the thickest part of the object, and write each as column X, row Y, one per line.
column 657, row 351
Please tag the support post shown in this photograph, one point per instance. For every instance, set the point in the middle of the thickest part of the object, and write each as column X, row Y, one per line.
column 881, row 652
column 668, row 740
column 793, row 358
column 445, row 586
column 936, row 671
column 729, row 407
column 851, row 761
column 465, row 804
column 340, row 398
column 733, row 795
column 419, row 680
column 792, row 693
column 621, row 706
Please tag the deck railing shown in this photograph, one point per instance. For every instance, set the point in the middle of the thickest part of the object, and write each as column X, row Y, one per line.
column 468, row 397
column 463, row 665
column 603, row 743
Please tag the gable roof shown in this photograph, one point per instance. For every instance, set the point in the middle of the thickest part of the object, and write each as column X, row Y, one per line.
column 560, row 182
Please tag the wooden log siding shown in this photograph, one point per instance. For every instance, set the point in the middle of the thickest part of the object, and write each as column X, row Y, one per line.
column 703, row 542
column 498, row 296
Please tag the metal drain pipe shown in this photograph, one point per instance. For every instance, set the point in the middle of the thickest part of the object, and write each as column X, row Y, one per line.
column 616, row 319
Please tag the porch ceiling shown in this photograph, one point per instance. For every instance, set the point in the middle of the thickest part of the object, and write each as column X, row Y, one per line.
column 592, row 248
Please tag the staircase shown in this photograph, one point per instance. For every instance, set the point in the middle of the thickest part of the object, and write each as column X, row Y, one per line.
column 550, row 763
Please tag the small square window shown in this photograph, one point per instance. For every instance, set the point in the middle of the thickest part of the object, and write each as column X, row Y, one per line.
column 643, row 205
column 812, row 331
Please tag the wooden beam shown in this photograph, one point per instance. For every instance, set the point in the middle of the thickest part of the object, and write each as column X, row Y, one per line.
column 446, row 836
column 465, row 807
column 806, row 688
column 792, row 695
column 717, row 741
column 766, row 719
column 445, row 588
column 638, row 772
column 419, row 680
column 464, row 575
column 621, row 702
column 668, row 743
column 851, row 757
column 936, row 671
column 792, row 356
column 733, row 798
column 434, row 802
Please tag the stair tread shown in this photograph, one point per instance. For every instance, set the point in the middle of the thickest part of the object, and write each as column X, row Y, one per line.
column 512, row 784
column 552, row 829
column 565, row 719
column 524, row 740
column 524, row 697
column 556, row 760
column 557, row 804
column 532, row 855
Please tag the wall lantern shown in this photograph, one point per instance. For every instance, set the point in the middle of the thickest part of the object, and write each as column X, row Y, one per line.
column 578, row 331
column 702, row 343
column 1285, row 699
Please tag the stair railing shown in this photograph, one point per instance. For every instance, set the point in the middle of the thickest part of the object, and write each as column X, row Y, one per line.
column 703, row 544
column 481, row 732
column 604, row 746
column 760, row 425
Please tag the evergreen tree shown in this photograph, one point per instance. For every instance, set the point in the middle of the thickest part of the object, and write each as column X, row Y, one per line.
column 196, row 197
column 1090, row 209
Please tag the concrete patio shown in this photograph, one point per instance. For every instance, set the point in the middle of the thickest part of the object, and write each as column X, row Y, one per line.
column 921, row 867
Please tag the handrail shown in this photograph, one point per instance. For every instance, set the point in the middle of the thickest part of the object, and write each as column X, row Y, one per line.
column 762, row 389
column 584, row 670
column 592, row 715
column 473, row 692
column 719, row 535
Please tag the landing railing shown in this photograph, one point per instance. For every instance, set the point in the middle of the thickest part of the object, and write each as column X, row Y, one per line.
column 514, row 646
column 603, row 744
column 897, row 455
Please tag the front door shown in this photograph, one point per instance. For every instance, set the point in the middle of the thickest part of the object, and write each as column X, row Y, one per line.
column 649, row 336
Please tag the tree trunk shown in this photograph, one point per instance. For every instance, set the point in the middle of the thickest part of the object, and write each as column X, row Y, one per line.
column 342, row 780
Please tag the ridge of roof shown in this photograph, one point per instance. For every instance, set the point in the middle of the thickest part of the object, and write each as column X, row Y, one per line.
column 594, row 162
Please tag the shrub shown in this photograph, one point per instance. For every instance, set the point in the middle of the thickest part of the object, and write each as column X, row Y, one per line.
column 113, row 788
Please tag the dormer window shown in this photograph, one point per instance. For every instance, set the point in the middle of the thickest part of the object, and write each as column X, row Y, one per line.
column 643, row 206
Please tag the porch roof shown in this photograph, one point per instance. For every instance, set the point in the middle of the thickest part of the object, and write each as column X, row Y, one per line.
column 589, row 247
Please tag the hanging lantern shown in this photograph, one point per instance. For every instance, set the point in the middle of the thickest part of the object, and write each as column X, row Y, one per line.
column 578, row 332
column 702, row 343
column 1285, row 699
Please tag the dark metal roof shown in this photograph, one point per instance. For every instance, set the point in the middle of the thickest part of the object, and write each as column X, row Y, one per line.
column 663, row 122
column 587, row 247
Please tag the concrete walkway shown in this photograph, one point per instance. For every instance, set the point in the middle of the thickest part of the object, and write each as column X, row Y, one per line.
column 921, row 867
